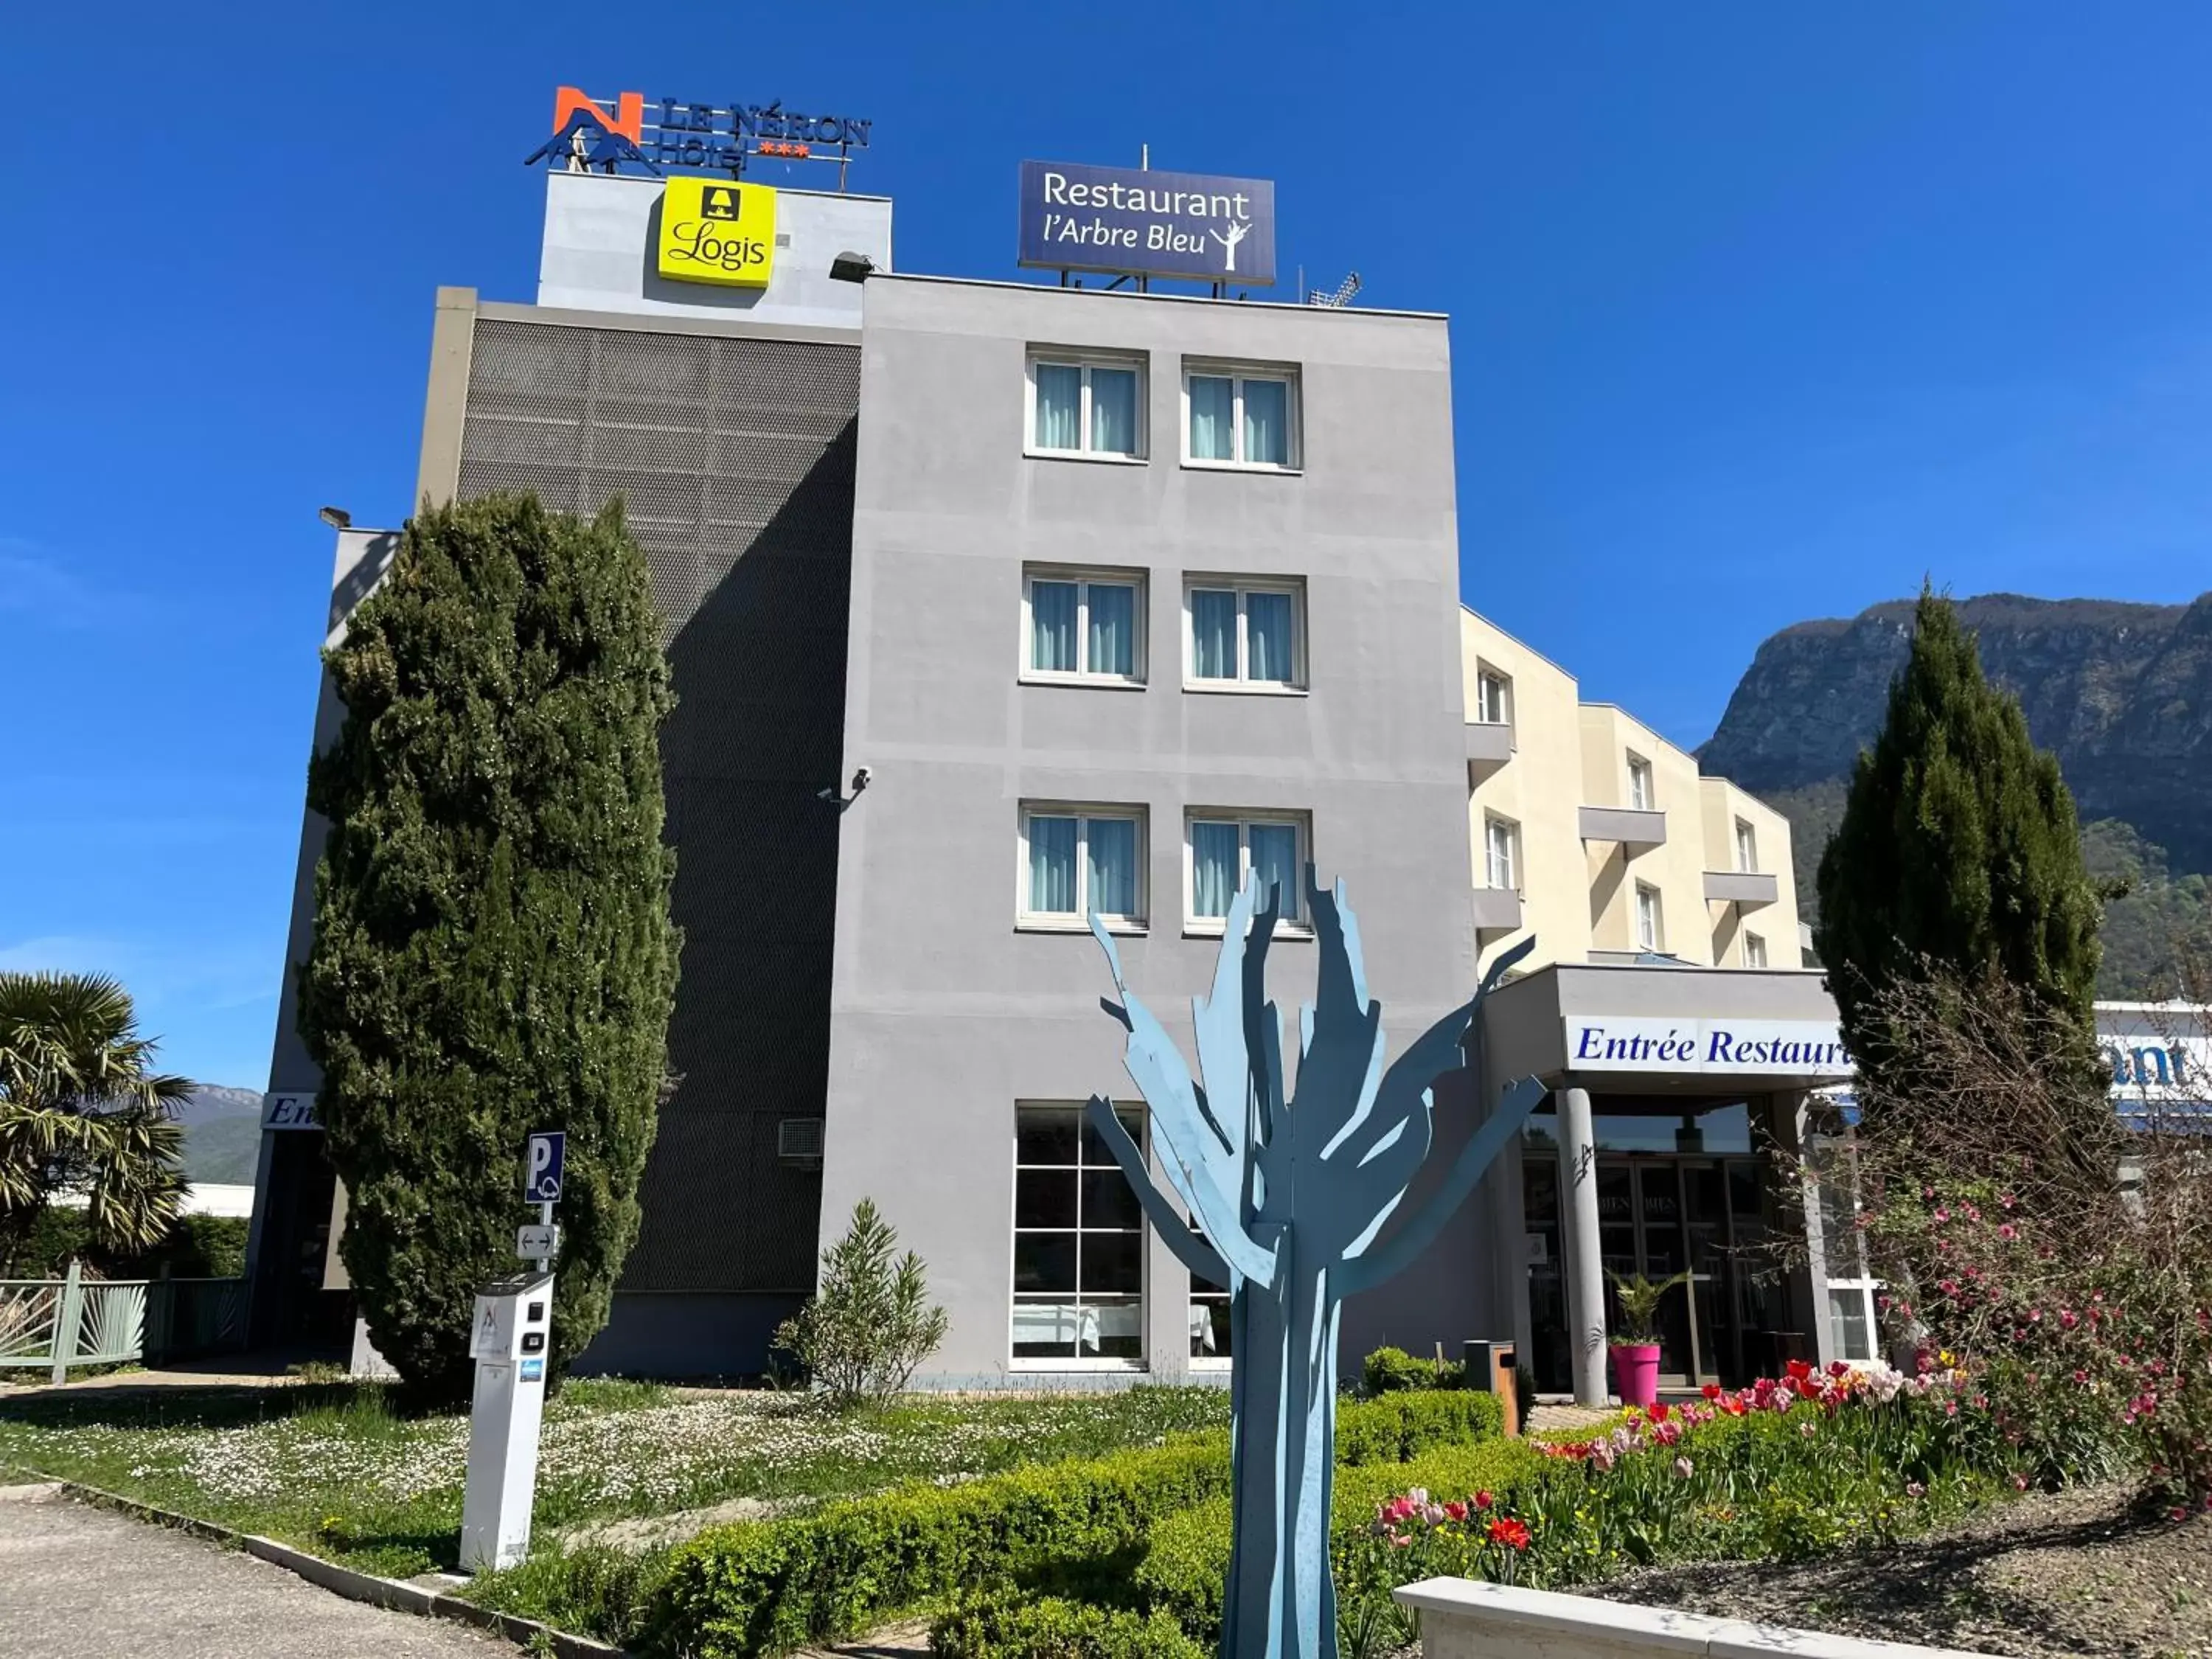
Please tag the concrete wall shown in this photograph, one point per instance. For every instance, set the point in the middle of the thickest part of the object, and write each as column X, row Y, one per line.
column 1468, row 1619
column 601, row 232
column 943, row 1014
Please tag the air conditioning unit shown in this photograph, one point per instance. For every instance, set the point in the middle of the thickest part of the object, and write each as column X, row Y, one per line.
column 799, row 1142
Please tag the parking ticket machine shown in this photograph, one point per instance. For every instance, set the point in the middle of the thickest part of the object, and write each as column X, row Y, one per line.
column 507, row 1341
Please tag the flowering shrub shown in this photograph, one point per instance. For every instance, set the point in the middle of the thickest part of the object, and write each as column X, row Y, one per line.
column 2060, row 1248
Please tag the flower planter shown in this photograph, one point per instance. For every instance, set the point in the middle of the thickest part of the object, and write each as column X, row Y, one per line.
column 1636, row 1372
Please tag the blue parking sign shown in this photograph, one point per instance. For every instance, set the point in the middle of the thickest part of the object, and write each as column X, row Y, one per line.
column 542, row 1181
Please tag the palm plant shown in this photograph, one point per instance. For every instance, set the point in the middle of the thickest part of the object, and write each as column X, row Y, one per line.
column 82, row 1111
column 1639, row 1307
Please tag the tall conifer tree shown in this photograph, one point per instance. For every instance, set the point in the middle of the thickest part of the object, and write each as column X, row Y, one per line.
column 1958, row 849
column 493, row 952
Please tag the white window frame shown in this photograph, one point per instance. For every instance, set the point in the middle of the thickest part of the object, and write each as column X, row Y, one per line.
column 1492, row 824
column 1100, row 1362
column 1085, row 813
column 1747, row 846
column 1197, row 1300
column 1244, row 587
column 1642, row 784
column 1286, row 927
column 1086, row 360
column 1082, row 576
column 1239, row 373
column 1654, row 943
column 1825, row 1153
column 1754, row 949
column 1486, row 679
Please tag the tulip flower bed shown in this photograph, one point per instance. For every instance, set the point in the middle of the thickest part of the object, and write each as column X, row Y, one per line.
column 1789, row 1468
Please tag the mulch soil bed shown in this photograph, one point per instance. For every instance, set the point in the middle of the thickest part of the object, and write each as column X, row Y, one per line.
column 2072, row 1572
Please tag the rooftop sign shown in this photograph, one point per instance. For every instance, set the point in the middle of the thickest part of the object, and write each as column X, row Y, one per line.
column 592, row 134
column 1136, row 222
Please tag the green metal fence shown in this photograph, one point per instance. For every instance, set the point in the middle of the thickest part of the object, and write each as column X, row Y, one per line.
column 52, row 1324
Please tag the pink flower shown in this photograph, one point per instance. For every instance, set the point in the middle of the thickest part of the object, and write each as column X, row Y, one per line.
column 2019, row 1483
column 1684, row 1469
column 1807, row 1430
column 1942, row 1215
column 2007, row 1232
column 1483, row 1500
column 1914, row 1489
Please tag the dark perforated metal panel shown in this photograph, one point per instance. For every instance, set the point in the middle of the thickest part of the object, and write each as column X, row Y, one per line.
column 734, row 459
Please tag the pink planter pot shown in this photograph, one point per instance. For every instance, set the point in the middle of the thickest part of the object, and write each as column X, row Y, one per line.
column 1635, row 1373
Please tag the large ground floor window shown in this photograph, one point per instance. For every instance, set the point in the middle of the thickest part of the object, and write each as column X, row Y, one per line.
column 1078, row 1241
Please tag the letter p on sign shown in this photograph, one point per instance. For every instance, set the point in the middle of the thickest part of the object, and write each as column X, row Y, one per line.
column 542, row 1179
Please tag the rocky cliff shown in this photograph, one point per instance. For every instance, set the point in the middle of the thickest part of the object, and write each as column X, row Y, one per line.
column 2123, row 693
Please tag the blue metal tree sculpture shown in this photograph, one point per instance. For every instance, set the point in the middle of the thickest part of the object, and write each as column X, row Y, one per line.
column 1287, row 1197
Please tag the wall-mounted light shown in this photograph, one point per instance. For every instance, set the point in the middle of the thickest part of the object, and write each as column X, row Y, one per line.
column 337, row 517
column 850, row 267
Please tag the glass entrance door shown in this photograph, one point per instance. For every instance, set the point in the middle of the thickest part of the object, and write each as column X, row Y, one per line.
column 1660, row 1215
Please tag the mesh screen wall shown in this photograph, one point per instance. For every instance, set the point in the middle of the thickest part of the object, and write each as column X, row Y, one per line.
column 734, row 457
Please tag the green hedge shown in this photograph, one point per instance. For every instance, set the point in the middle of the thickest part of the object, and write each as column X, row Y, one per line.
column 765, row 1586
column 1008, row 1627
column 1397, row 1426
column 1183, row 1571
column 196, row 1246
column 1393, row 1371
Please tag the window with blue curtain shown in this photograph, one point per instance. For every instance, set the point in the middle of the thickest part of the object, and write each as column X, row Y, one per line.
column 1222, row 852
column 1052, row 626
column 1059, row 406
column 1274, row 848
column 1215, row 860
column 1242, row 419
column 1110, row 865
column 1084, row 625
column 1267, row 644
column 1112, row 632
column 1213, row 633
column 1052, row 865
column 1113, row 411
column 1267, row 423
column 1249, row 634
column 1212, row 417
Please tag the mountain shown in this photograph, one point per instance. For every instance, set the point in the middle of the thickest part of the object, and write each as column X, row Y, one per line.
column 223, row 1134
column 2122, row 693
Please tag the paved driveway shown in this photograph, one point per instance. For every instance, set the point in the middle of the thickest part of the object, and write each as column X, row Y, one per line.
column 77, row 1581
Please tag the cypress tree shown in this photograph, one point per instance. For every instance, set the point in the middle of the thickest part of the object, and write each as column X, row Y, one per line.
column 493, row 952
column 1958, row 851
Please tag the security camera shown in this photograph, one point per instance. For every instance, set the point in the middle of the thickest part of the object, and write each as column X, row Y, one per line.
column 860, row 779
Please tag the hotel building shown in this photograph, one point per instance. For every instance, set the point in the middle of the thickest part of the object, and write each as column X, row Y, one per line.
column 1117, row 597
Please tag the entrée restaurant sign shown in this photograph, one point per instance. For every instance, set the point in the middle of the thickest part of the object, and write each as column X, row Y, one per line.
column 1762, row 1048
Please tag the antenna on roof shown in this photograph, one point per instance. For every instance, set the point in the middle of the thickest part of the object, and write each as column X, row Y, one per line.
column 1339, row 297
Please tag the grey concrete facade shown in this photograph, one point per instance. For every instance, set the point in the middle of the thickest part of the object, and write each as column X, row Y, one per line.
column 945, row 1013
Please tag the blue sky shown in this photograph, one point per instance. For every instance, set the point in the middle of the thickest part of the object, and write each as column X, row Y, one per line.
column 1761, row 312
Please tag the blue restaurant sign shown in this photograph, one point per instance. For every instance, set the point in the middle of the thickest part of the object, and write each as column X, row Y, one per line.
column 1137, row 222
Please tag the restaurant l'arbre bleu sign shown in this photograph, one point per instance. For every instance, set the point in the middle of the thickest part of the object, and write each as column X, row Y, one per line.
column 1137, row 223
column 1707, row 1047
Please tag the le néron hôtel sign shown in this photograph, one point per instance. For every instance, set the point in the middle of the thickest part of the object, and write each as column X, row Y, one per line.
column 716, row 230
column 1137, row 223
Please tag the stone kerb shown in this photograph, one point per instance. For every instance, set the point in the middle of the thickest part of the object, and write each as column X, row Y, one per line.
column 1468, row 1618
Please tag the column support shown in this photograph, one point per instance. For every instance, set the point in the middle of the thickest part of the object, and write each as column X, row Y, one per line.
column 1579, row 1232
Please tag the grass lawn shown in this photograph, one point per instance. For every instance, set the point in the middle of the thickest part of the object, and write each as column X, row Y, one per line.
column 334, row 1468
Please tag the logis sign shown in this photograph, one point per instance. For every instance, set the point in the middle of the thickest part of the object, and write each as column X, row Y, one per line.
column 1137, row 222
column 714, row 230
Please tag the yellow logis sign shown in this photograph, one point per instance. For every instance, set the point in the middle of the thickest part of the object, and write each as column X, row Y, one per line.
column 716, row 230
